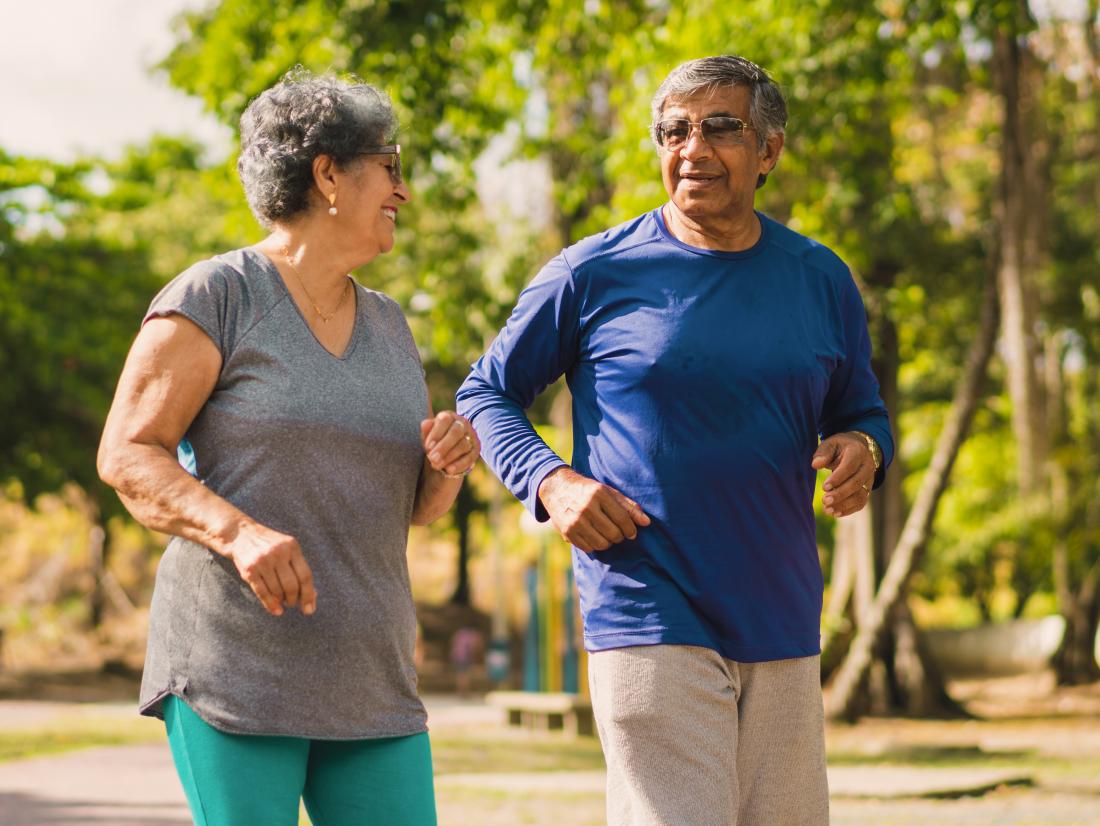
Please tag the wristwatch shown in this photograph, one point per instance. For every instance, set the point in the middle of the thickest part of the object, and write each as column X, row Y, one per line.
column 872, row 445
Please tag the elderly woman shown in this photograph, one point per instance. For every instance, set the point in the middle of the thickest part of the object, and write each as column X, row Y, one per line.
column 282, row 627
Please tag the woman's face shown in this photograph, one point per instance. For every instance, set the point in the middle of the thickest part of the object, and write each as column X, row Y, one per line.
column 369, row 202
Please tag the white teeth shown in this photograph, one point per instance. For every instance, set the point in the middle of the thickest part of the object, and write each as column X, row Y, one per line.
column 390, row 213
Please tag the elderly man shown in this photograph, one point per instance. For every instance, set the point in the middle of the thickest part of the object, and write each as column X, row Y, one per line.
column 717, row 360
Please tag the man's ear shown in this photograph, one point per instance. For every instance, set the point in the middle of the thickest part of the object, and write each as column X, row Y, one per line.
column 772, row 150
column 769, row 157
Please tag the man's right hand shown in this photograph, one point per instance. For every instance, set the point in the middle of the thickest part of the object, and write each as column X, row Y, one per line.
column 588, row 514
column 274, row 567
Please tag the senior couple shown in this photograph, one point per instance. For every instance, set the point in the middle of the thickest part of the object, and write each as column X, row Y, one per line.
column 717, row 361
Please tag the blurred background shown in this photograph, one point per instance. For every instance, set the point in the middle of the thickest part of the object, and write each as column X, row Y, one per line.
column 948, row 151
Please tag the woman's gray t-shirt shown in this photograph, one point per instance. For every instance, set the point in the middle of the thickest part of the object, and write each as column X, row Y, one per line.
column 326, row 449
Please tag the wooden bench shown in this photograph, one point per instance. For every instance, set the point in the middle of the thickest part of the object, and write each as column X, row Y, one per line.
column 546, row 710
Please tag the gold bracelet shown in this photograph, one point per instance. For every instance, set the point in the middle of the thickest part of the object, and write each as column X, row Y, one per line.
column 872, row 445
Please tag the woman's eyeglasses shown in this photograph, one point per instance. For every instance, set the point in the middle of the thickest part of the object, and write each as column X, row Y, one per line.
column 721, row 131
column 393, row 164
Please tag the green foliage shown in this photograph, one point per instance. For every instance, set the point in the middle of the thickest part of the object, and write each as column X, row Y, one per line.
column 447, row 67
column 85, row 246
column 62, row 301
column 891, row 158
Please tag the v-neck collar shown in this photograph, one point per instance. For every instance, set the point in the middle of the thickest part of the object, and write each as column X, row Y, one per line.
column 356, row 323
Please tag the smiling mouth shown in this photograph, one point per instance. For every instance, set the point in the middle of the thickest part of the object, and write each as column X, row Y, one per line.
column 390, row 213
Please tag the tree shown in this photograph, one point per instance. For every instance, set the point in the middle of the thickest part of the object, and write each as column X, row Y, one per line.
column 1072, row 352
column 451, row 70
column 844, row 700
column 69, row 305
column 893, row 158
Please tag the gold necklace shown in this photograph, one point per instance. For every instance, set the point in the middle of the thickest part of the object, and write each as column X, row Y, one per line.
column 325, row 319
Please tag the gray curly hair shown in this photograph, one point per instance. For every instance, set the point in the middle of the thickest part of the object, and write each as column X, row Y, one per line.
column 302, row 116
column 767, row 107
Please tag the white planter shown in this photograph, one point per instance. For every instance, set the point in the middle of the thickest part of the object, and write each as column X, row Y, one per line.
column 998, row 650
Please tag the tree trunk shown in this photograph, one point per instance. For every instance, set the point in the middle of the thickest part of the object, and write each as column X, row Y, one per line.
column 98, row 556
column 901, row 679
column 1075, row 661
column 889, row 500
column 1017, row 253
column 463, row 507
column 911, row 684
column 921, row 690
column 1078, row 590
column 1092, row 40
column 843, row 698
column 97, row 559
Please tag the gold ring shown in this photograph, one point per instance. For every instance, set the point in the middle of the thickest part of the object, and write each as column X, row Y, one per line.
column 865, row 488
column 469, row 441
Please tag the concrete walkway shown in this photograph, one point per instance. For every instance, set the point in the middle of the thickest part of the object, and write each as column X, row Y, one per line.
column 132, row 785
column 128, row 785
column 137, row 785
column 871, row 782
column 117, row 785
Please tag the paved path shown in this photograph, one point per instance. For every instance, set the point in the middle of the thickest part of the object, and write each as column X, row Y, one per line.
column 123, row 785
column 877, row 782
column 137, row 785
column 128, row 785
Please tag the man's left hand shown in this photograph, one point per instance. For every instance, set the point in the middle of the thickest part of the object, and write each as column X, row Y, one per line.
column 848, row 487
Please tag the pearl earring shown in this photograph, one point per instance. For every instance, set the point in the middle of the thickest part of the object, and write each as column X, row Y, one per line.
column 332, row 204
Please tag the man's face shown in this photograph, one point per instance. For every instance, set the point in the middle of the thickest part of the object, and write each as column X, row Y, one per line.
column 714, row 182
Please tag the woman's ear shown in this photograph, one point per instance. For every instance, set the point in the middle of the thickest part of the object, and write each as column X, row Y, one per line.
column 324, row 176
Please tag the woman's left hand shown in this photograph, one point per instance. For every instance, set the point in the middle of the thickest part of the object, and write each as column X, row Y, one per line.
column 450, row 443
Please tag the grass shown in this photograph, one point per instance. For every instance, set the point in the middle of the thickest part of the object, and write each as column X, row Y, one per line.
column 514, row 751
column 935, row 756
column 70, row 734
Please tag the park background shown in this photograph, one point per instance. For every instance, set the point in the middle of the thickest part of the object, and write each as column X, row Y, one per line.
column 948, row 151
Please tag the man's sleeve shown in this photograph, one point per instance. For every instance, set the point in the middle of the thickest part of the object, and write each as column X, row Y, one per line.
column 537, row 345
column 853, row 401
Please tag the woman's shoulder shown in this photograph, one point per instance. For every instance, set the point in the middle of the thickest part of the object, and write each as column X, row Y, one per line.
column 378, row 303
column 224, row 294
column 232, row 268
column 386, row 313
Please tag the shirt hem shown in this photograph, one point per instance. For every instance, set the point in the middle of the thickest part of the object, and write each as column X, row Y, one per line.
column 154, row 708
column 738, row 652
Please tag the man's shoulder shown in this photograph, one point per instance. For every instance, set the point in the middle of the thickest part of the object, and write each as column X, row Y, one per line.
column 621, row 239
column 805, row 249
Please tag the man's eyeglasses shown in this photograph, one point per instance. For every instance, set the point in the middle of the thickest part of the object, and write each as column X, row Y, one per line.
column 674, row 133
column 393, row 150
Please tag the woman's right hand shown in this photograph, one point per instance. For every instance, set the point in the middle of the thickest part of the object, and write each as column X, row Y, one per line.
column 273, row 566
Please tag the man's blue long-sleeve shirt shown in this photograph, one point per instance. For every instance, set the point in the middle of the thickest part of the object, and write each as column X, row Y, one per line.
column 701, row 382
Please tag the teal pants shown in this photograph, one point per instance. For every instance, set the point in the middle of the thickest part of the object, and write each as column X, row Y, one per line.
column 246, row 780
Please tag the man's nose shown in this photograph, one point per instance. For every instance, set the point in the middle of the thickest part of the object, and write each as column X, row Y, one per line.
column 695, row 148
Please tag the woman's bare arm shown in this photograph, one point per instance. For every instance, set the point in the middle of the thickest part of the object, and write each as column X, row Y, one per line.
column 169, row 374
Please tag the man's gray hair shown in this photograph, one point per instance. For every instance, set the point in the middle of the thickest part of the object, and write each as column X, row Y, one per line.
column 302, row 116
column 767, row 108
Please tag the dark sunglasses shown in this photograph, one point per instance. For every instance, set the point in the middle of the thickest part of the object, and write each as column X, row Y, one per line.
column 673, row 133
column 393, row 151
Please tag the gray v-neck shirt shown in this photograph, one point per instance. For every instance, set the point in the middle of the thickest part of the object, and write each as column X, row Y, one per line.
column 324, row 448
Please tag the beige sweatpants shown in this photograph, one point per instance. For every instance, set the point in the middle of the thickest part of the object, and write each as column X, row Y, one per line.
column 692, row 739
